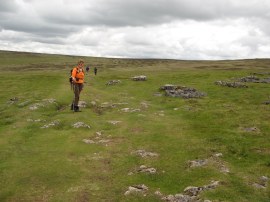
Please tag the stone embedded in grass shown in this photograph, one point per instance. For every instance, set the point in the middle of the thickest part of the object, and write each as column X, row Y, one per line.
column 251, row 129
column 262, row 183
column 44, row 103
column 137, row 189
column 139, row 78
column 145, row 169
column 197, row 163
column 144, row 153
column 130, row 110
column 52, row 124
column 231, row 84
column 195, row 191
column 80, row 125
column 254, row 79
column 87, row 141
column 36, row 106
column 213, row 160
column 191, row 193
column 113, row 82
column 82, row 104
column 180, row 198
column 266, row 102
column 181, row 91
column 114, row 122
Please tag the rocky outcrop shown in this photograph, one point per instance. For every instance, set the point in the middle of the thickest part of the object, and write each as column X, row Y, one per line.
column 181, row 91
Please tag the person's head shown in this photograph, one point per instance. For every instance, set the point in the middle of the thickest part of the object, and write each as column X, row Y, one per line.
column 80, row 63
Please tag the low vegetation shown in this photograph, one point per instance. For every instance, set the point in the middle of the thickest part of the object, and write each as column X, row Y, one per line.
column 47, row 155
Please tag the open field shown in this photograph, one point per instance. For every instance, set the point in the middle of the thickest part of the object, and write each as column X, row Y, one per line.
column 44, row 158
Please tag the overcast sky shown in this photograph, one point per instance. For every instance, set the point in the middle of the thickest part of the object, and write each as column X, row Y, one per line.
column 171, row 29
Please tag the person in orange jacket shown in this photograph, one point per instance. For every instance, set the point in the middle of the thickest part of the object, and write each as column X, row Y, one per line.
column 77, row 76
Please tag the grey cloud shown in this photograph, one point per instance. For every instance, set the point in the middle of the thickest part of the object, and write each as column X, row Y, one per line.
column 8, row 6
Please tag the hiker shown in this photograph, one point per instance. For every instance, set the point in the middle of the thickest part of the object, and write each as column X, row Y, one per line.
column 87, row 69
column 77, row 80
column 95, row 70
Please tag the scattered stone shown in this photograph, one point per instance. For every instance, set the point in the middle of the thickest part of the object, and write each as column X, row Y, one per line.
column 180, row 198
column 113, row 82
column 93, row 103
column 251, row 129
column 54, row 123
column 144, row 105
column 31, row 120
column 82, row 104
column 114, row 122
column 254, row 79
column 145, row 169
column 144, row 153
column 87, row 141
column 266, row 102
column 141, row 189
column 195, row 191
column 231, row 84
column 213, row 160
column 103, row 141
column 181, row 91
column 36, row 106
column 44, row 103
column 158, row 193
column 191, row 193
column 218, row 155
column 107, row 105
column 80, row 125
column 98, row 133
column 13, row 100
column 139, row 78
column 130, row 110
column 262, row 183
column 50, row 100
column 197, row 163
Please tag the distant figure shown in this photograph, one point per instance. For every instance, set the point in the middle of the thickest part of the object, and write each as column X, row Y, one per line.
column 78, row 80
column 87, row 69
column 95, row 70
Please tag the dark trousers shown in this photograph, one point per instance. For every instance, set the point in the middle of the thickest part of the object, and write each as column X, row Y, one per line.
column 77, row 90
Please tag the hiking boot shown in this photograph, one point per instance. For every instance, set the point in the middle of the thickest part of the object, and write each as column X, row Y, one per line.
column 76, row 109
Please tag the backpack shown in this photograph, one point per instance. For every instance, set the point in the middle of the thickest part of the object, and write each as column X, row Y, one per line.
column 70, row 77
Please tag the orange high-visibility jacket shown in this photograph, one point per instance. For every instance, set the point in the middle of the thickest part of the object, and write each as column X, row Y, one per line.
column 78, row 74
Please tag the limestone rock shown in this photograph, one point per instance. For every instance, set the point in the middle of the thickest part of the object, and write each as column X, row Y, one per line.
column 113, row 82
column 181, row 91
column 136, row 189
column 231, row 84
column 139, row 78
column 144, row 153
column 80, row 125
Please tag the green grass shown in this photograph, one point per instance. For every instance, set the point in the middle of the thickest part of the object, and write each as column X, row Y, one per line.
column 54, row 164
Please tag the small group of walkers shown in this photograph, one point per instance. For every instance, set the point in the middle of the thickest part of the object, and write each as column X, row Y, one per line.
column 77, row 81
